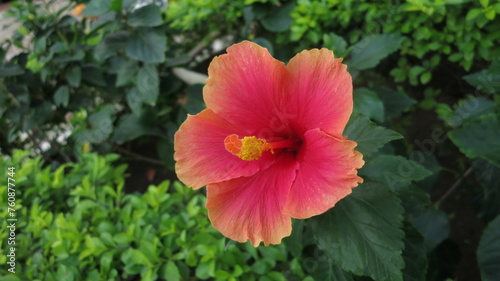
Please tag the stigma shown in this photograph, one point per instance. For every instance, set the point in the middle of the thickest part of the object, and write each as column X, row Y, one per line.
column 251, row 148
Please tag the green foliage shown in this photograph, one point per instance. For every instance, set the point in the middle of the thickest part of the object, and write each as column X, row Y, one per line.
column 76, row 223
column 363, row 233
column 488, row 251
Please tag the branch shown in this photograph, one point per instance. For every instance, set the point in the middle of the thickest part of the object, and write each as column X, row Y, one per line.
column 453, row 187
column 138, row 156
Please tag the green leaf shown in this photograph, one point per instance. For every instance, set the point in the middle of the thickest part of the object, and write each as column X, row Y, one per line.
column 393, row 171
column 148, row 46
column 335, row 43
column 170, row 272
column 139, row 257
column 369, row 136
column 149, row 15
column 101, row 126
column 11, row 70
column 278, row 19
column 433, row 224
column 487, row 80
column 479, row 139
column 472, row 14
column 94, row 75
column 415, row 256
column 369, row 104
column 488, row 252
column 127, row 70
column 205, row 270
column 132, row 126
column 263, row 42
column 148, row 84
column 74, row 76
column 326, row 270
column 61, row 96
column 362, row 233
column 395, row 102
column 97, row 8
column 112, row 43
column 486, row 197
column 470, row 109
column 368, row 52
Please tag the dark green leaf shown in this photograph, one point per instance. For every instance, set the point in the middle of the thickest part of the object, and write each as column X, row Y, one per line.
column 96, row 8
column 487, row 80
column 61, row 96
column 74, row 76
column 393, row 171
column 11, row 70
column 335, row 43
column 414, row 255
column 433, row 224
column 264, row 43
column 395, row 102
column 368, row 52
column 326, row 270
column 470, row 109
column 94, row 75
column 369, row 104
column 488, row 252
column 369, row 136
column 486, row 197
column 101, row 126
column 278, row 19
column 149, row 15
column 362, row 233
column 479, row 138
column 148, row 46
column 112, row 43
column 132, row 126
column 148, row 84
column 127, row 70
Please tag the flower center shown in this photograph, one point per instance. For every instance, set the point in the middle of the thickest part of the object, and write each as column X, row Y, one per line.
column 251, row 148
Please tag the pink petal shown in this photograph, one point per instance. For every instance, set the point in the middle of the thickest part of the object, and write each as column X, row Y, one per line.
column 245, row 86
column 251, row 207
column 320, row 92
column 326, row 174
column 201, row 157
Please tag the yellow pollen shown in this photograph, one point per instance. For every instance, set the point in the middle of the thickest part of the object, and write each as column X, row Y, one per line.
column 248, row 148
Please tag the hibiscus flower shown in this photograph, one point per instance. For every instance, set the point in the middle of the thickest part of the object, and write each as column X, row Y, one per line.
column 269, row 146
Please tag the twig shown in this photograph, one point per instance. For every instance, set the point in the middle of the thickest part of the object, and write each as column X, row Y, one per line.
column 138, row 156
column 453, row 187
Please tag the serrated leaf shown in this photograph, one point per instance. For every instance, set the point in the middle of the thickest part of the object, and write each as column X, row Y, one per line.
column 362, row 233
column 368, row 52
column 486, row 197
column 369, row 136
column 149, row 15
column 393, row 171
column 479, row 139
column 470, row 109
column 327, row 270
column 368, row 103
column 148, row 84
column 61, row 96
column 414, row 255
column 395, row 102
column 488, row 252
column 112, row 43
column 127, row 70
column 148, row 46
column 487, row 80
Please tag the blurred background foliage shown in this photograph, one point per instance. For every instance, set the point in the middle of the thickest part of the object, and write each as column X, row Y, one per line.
column 93, row 100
